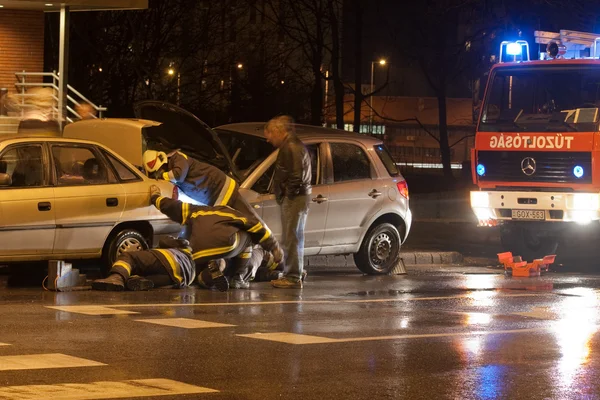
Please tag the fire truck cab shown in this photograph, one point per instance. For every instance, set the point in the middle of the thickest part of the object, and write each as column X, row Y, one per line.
column 536, row 159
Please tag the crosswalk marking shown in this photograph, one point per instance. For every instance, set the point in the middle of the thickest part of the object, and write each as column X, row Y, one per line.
column 92, row 310
column 288, row 337
column 539, row 313
column 102, row 390
column 295, row 338
column 113, row 309
column 186, row 323
column 44, row 361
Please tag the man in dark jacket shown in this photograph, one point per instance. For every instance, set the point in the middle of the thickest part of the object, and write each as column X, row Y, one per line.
column 292, row 189
column 171, row 264
column 219, row 232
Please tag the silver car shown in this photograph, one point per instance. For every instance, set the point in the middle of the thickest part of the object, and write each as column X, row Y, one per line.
column 359, row 198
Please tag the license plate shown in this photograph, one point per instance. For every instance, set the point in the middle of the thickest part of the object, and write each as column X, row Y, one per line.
column 528, row 214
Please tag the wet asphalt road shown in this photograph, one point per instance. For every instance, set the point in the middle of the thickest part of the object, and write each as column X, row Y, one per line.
column 437, row 333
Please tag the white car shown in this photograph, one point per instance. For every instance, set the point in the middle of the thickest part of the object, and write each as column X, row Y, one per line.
column 73, row 199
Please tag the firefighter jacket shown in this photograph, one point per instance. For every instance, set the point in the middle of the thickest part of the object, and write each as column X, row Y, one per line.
column 292, row 170
column 214, row 231
column 200, row 181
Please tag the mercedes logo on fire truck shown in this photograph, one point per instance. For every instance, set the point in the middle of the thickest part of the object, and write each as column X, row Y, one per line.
column 528, row 166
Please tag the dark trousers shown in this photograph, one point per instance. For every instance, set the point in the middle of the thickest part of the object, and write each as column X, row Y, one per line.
column 293, row 220
column 238, row 267
column 144, row 263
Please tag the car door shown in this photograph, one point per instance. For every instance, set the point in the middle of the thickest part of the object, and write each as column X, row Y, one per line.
column 27, row 212
column 351, row 195
column 317, row 214
column 89, row 199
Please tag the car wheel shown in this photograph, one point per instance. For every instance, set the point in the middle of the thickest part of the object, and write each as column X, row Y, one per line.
column 124, row 241
column 379, row 251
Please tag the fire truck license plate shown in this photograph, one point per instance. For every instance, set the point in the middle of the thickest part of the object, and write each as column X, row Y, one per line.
column 528, row 214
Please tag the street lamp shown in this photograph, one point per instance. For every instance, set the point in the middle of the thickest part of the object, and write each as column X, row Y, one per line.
column 381, row 62
column 171, row 72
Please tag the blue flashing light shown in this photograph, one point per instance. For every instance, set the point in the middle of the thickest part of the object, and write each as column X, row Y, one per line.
column 481, row 170
column 514, row 49
column 578, row 171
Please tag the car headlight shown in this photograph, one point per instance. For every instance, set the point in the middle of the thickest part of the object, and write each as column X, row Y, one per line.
column 480, row 199
column 585, row 201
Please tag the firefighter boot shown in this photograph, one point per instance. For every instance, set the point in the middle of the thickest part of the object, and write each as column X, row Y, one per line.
column 114, row 283
column 216, row 267
column 137, row 283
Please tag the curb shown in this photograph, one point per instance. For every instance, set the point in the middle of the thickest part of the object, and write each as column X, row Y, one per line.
column 410, row 258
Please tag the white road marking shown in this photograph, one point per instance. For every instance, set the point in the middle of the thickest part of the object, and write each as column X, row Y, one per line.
column 538, row 313
column 186, row 323
column 295, row 338
column 44, row 361
column 109, row 309
column 92, row 310
column 4, row 344
column 291, row 338
column 102, row 390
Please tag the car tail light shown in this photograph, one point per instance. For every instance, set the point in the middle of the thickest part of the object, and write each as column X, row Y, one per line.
column 175, row 195
column 403, row 188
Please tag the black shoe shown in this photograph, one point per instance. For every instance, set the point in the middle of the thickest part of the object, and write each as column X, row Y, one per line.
column 114, row 283
column 219, row 280
column 137, row 283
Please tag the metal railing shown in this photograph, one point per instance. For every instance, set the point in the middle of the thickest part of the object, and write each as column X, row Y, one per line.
column 74, row 98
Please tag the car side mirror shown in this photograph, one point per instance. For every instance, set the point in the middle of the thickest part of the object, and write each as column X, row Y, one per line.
column 5, row 179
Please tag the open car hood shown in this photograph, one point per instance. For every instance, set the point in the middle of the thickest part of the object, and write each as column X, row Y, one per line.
column 182, row 130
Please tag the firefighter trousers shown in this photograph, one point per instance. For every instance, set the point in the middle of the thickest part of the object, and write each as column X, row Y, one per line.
column 238, row 265
column 144, row 263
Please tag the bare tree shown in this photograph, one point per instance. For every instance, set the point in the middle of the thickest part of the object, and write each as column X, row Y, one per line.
column 446, row 38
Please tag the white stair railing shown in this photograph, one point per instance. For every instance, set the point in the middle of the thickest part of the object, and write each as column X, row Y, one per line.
column 74, row 98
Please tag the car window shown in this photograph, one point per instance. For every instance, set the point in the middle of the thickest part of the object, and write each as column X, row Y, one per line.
column 349, row 162
column 387, row 160
column 24, row 165
column 246, row 151
column 264, row 184
column 77, row 165
column 125, row 174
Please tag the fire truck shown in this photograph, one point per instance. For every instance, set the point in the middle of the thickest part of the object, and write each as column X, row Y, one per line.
column 536, row 160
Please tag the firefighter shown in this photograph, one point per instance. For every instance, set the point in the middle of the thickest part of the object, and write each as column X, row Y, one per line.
column 219, row 232
column 200, row 181
column 169, row 265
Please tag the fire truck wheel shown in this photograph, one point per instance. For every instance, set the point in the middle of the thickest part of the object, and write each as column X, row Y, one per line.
column 526, row 243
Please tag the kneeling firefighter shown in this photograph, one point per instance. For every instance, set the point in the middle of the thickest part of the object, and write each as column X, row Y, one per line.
column 219, row 232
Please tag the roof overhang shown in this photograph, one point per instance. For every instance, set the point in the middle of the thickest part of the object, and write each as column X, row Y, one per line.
column 74, row 5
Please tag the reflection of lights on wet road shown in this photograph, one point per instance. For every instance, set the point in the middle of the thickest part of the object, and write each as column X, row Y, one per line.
column 483, row 298
column 478, row 318
column 481, row 281
column 404, row 323
column 472, row 344
column 577, row 325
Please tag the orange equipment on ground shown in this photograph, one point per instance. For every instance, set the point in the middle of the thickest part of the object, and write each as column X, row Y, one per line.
column 517, row 267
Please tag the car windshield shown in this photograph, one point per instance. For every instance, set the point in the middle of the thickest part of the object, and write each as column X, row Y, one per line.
column 552, row 98
column 246, row 151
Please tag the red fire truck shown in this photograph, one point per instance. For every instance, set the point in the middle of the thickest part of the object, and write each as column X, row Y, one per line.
column 536, row 159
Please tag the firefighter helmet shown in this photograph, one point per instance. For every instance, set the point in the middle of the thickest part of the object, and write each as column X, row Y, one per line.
column 153, row 160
